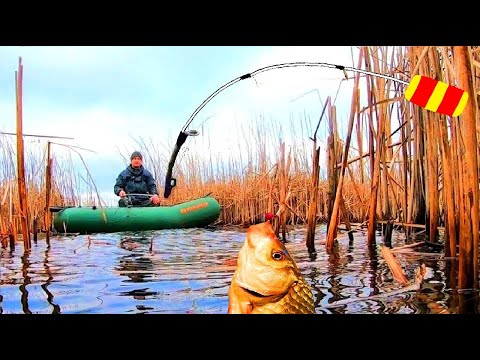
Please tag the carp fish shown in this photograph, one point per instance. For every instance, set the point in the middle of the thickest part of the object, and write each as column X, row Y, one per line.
column 267, row 279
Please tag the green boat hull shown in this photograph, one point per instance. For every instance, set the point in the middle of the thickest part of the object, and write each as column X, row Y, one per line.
column 88, row 220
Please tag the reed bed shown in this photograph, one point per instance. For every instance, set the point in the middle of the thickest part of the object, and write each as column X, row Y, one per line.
column 63, row 191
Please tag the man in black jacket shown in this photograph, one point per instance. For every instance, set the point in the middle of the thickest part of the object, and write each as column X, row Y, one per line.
column 135, row 179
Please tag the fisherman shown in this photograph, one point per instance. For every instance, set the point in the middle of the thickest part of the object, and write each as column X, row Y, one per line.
column 136, row 185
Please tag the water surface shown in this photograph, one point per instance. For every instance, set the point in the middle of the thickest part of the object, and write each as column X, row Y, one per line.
column 189, row 271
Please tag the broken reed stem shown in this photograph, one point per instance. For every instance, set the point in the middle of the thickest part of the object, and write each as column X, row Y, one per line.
column 332, row 228
column 22, row 191
column 394, row 265
column 48, row 190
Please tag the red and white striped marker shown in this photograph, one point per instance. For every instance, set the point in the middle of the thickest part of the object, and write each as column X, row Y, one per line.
column 436, row 96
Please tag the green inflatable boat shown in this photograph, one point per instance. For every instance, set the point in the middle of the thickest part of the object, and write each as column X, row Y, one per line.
column 88, row 220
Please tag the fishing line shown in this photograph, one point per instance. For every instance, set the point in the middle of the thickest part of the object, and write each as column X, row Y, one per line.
column 283, row 66
column 171, row 182
column 425, row 92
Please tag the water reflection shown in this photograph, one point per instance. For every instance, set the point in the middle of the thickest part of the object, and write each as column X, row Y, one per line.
column 26, row 281
column 335, row 267
column 372, row 266
column 189, row 271
column 50, row 297
column 138, row 268
column 23, row 270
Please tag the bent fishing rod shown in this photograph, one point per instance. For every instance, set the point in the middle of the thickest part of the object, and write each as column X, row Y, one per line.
column 171, row 182
column 447, row 100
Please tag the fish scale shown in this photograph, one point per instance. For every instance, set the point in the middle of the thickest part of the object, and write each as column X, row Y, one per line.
column 299, row 300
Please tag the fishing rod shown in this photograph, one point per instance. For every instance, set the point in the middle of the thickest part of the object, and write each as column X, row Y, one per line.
column 429, row 93
column 171, row 182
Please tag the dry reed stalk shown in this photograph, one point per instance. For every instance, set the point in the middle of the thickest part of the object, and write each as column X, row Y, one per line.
column 334, row 219
column 432, row 176
column 458, row 145
column 333, row 149
column 22, row 191
column 395, row 187
column 385, row 207
column 382, row 110
column 3, row 225
column 450, row 222
column 271, row 185
column 313, row 201
column 352, row 160
column 10, row 205
column 468, row 259
column 374, row 157
column 48, row 190
column 331, row 175
column 283, row 189
column 388, row 159
column 421, row 56
column 394, row 266
column 403, row 115
column 408, row 246
column 419, row 182
column 356, row 189
column 432, row 138
column 35, row 229
column 453, row 198
column 391, row 181
column 405, row 134
column 3, row 232
column 345, row 216
column 416, row 196
column 14, row 229
column 12, row 236
column 359, row 131
column 411, row 152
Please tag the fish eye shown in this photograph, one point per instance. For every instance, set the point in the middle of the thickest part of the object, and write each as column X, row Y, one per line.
column 278, row 255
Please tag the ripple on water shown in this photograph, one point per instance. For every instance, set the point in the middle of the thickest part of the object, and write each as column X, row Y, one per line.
column 189, row 272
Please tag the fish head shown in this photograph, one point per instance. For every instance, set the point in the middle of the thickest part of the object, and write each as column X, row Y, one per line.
column 264, row 267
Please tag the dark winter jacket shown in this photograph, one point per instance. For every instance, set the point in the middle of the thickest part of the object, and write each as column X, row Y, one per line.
column 135, row 181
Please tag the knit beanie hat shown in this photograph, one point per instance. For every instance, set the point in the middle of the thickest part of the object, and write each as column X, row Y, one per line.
column 136, row 154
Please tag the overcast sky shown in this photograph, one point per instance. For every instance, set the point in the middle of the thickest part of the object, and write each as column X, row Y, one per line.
column 106, row 97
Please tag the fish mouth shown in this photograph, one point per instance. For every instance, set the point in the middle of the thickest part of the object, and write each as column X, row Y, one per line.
column 248, row 290
column 254, row 293
column 257, row 294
